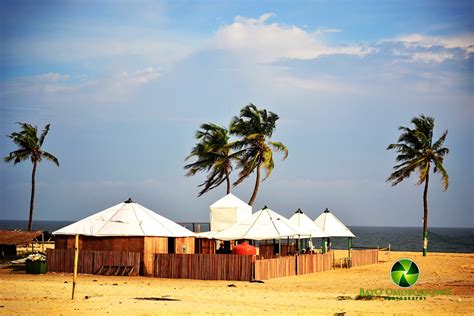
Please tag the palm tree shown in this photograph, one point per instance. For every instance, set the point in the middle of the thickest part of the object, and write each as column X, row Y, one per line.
column 255, row 127
column 213, row 153
column 416, row 152
column 29, row 147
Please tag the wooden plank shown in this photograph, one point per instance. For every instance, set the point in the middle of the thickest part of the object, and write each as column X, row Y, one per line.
column 364, row 256
column 203, row 266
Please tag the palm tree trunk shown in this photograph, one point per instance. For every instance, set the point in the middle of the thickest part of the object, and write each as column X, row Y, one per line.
column 255, row 189
column 227, row 178
column 32, row 200
column 425, row 215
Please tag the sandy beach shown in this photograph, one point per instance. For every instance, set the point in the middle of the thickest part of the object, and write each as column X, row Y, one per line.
column 324, row 293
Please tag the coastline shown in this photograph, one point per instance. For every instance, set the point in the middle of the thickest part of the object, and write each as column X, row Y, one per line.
column 323, row 293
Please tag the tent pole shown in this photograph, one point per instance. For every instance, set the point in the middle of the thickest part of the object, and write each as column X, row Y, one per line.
column 323, row 245
column 279, row 247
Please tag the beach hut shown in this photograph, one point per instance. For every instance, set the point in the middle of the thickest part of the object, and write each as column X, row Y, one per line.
column 333, row 227
column 262, row 225
column 228, row 211
column 128, row 227
column 10, row 239
column 307, row 226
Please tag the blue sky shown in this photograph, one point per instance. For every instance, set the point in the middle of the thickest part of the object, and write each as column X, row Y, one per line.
column 125, row 86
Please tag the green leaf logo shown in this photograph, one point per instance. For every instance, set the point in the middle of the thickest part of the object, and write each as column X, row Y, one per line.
column 405, row 273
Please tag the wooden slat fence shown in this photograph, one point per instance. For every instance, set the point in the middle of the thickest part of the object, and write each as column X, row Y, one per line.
column 365, row 256
column 275, row 268
column 203, row 266
column 90, row 261
column 292, row 265
column 314, row 263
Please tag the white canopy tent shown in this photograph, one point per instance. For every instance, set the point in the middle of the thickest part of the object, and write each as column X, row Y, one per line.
column 306, row 225
column 262, row 225
column 332, row 226
column 125, row 219
column 227, row 211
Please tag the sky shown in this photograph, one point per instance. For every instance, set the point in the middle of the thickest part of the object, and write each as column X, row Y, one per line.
column 125, row 85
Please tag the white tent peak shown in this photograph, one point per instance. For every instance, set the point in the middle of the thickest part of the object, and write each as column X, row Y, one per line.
column 229, row 200
column 125, row 219
column 227, row 211
column 263, row 224
column 332, row 226
column 306, row 225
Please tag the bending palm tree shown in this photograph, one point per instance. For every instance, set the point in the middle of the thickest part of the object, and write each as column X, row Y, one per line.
column 29, row 147
column 213, row 154
column 255, row 148
column 416, row 152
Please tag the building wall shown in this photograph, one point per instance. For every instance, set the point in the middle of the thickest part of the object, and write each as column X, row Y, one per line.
column 146, row 246
column 7, row 251
column 205, row 246
column 184, row 245
column 152, row 245
column 119, row 243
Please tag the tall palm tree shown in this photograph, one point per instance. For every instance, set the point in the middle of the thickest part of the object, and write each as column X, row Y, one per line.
column 416, row 152
column 29, row 147
column 255, row 127
column 213, row 153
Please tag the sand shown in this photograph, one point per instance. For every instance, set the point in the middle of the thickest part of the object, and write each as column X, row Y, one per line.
column 324, row 293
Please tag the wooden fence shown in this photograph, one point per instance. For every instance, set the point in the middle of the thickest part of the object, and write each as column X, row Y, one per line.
column 275, row 268
column 90, row 261
column 314, row 263
column 292, row 265
column 365, row 256
column 203, row 266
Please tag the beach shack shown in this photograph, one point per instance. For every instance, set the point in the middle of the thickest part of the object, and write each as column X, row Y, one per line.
column 128, row 227
column 10, row 239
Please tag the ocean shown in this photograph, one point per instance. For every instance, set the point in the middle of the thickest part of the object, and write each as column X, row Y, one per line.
column 399, row 238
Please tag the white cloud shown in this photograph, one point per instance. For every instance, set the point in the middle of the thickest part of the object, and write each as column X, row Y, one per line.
column 258, row 40
column 427, row 48
column 139, row 77
column 431, row 57
column 462, row 41
column 322, row 84
column 50, row 82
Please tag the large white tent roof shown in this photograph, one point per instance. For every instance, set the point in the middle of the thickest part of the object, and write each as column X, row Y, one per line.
column 306, row 225
column 230, row 200
column 227, row 211
column 264, row 224
column 332, row 226
column 125, row 219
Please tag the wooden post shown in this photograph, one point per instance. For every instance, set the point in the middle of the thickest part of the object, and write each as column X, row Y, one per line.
column 42, row 242
column 349, row 246
column 76, row 255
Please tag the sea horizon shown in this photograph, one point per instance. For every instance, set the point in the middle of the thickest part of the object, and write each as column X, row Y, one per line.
column 400, row 238
column 198, row 222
